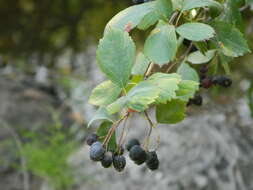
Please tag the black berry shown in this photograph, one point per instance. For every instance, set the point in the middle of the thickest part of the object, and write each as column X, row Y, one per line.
column 131, row 143
column 137, row 154
column 119, row 162
column 203, row 69
column 197, row 100
column 97, row 151
column 222, row 81
column 152, row 161
column 106, row 162
column 138, row 1
column 91, row 139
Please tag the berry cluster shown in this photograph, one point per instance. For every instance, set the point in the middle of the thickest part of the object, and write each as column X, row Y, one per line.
column 208, row 81
column 136, row 153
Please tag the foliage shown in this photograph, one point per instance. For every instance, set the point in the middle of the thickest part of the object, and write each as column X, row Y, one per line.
column 47, row 156
column 213, row 27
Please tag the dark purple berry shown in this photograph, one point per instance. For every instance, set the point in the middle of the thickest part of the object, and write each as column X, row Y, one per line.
column 106, row 162
column 203, row 69
column 137, row 154
column 207, row 82
column 131, row 143
column 91, row 139
column 97, row 151
column 152, row 161
column 119, row 162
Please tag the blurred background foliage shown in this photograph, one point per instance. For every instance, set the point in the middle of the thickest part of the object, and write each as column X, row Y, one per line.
column 41, row 48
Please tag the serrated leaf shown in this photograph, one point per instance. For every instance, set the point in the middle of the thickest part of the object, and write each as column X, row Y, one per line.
column 115, row 56
column 230, row 39
column 104, row 94
column 187, row 72
column 102, row 131
column 165, row 8
column 198, row 58
column 195, row 31
column 187, row 89
column 192, row 4
column 141, row 96
column 171, row 113
column 161, row 45
column 141, row 65
column 167, row 84
column 132, row 15
column 232, row 14
column 101, row 115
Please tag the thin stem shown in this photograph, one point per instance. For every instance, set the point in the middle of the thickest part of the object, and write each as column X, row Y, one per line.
column 149, row 69
column 172, row 18
column 113, row 128
column 150, row 129
column 178, row 18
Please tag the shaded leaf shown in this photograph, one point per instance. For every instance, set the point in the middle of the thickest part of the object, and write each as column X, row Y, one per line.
column 171, row 113
column 115, row 56
column 102, row 131
column 196, row 31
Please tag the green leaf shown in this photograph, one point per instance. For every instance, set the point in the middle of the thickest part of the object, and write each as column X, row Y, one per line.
column 149, row 20
column 196, row 31
column 230, row 39
column 177, row 4
column 164, row 8
column 104, row 94
column 141, row 65
column 198, row 58
column 102, row 131
column 192, row 4
column 202, row 46
column 161, row 45
column 187, row 89
column 116, row 106
column 167, row 84
column 101, row 115
column 232, row 14
column 188, row 73
column 132, row 15
column 224, row 61
column 171, row 113
column 115, row 56
column 141, row 96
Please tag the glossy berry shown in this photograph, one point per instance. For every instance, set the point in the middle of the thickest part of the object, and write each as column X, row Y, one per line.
column 91, row 139
column 197, row 100
column 138, row 1
column 152, row 161
column 106, row 162
column 137, row 154
column 222, row 81
column 119, row 162
column 207, row 82
column 97, row 151
column 131, row 143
